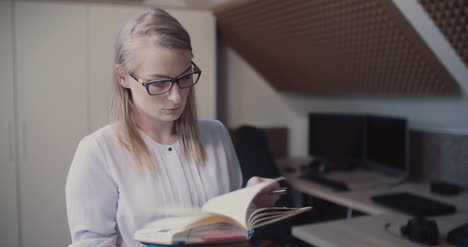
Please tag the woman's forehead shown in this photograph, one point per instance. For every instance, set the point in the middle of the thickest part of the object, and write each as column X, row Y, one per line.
column 155, row 59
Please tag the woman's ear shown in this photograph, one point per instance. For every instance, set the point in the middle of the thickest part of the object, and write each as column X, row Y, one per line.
column 121, row 78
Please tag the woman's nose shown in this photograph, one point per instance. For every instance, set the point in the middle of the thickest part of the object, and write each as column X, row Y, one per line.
column 175, row 93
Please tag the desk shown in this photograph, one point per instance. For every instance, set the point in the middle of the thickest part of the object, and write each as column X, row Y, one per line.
column 357, row 198
column 369, row 230
column 360, row 198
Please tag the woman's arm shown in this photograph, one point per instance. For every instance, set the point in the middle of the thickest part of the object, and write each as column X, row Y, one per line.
column 91, row 197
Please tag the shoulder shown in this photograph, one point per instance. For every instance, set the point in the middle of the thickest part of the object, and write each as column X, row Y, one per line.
column 103, row 138
column 208, row 124
column 212, row 130
column 103, row 135
column 94, row 151
column 211, row 127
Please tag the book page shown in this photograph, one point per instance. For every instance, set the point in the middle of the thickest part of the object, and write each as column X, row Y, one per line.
column 162, row 231
column 272, row 212
column 266, row 216
column 236, row 204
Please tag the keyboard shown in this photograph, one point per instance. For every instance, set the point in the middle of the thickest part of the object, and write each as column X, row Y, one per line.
column 414, row 205
column 333, row 184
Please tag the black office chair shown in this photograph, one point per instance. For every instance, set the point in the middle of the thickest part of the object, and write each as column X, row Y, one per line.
column 256, row 159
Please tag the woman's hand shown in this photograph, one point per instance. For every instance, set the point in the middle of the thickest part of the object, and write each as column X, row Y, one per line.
column 264, row 198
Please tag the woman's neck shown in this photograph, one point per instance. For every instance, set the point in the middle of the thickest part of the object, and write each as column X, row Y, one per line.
column 161, row 132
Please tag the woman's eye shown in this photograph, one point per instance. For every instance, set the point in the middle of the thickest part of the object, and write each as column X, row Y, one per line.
column 187, row 77
column 186, row 80
column 164, row 84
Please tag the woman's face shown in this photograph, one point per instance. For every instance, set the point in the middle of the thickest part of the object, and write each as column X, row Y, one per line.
column 154, row 62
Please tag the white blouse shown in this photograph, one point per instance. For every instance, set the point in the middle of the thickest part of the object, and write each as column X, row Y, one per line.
column 108, row 199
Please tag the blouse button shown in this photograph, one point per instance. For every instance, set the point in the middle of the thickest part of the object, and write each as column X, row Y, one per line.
column 170, row 149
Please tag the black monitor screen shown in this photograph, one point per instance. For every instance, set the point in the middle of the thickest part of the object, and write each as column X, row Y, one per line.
column 337, row 136
column 387, row 143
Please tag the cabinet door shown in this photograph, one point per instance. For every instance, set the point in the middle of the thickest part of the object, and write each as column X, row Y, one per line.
column 52, row 112
column 105, row 23
column 8, row 203
column 201, row 26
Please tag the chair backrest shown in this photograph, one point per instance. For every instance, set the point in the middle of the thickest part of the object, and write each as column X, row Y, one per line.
column 256, row 159
column 253, row 152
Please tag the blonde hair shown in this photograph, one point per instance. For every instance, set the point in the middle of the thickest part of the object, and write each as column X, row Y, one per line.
column 164, row 30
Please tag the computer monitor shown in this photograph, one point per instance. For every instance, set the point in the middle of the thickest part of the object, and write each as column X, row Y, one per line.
column 337, row 137
column 388, row 144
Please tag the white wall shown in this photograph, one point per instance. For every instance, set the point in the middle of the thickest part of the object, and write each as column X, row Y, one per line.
column 251, row 100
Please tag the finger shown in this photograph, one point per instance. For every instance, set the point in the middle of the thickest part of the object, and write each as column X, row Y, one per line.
column 271, row 187
column 254, row 180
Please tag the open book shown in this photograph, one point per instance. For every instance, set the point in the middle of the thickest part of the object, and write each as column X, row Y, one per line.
column 227, row 218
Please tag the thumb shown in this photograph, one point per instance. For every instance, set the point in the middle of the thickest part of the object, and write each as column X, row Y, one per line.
column 255, row 180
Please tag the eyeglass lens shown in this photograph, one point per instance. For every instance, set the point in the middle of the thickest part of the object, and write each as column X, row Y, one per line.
column 185, row 81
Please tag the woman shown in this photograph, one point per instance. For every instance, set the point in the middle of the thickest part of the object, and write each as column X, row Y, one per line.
column 158, row 154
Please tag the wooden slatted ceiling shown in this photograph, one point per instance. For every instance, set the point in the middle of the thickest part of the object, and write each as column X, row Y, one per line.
column 451, row 17
column 333, row 47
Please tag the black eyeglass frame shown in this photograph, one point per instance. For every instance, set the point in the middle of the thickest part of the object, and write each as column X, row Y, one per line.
column 172, row 80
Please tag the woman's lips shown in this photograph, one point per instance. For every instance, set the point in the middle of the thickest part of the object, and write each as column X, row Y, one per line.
column 173, row 109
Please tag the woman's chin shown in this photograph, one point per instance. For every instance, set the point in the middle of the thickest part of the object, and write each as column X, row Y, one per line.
column 172, row 116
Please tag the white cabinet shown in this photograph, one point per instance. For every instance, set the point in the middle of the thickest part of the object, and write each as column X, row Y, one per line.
column 56, row 63
column 201, row 26
column 52, row 103
column 8, row 199
column 105, row 22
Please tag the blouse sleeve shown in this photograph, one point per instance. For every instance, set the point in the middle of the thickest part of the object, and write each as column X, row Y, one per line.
column 235, row 173
column 91, row 198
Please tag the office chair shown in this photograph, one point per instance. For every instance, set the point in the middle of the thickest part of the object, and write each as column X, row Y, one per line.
column 256, row 159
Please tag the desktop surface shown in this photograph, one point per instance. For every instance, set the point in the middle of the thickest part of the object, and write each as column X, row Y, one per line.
column 370, row 230
column 323, row 180
column 415, row 205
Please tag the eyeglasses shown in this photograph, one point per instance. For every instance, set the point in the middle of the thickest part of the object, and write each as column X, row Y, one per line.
column 185, row 80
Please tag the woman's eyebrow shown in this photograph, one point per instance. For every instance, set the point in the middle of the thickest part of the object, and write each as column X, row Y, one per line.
column 168, row 77
column 158, row 76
